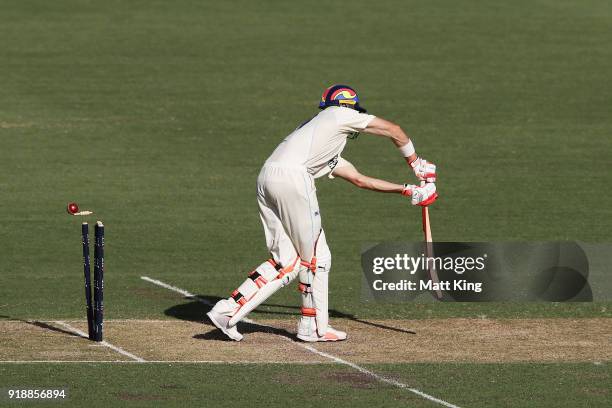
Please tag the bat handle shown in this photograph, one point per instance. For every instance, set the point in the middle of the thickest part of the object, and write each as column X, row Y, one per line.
column 425, row 216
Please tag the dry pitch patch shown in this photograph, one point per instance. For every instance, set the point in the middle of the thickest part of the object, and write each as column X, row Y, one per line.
column 42, row 341
column 380, row 341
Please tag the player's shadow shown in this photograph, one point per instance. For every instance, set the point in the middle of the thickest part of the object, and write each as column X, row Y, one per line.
column 244, row 328
column 195, row 311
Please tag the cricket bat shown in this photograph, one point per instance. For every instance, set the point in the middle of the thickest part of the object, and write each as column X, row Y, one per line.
column 431, row 269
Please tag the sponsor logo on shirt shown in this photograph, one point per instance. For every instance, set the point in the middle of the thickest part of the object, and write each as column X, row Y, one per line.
column 332, row 163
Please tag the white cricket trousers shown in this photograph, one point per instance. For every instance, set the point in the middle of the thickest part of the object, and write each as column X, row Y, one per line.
column 289, row 212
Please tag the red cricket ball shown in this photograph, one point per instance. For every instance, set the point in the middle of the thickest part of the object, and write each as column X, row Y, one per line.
column 72, row 208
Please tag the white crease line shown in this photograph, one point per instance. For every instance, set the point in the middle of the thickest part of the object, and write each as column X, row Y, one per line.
column 152, row 321
column 160, row 362
column 378, row 376
column 103, row 343
column 66, row 361
column 187, row 294
column 314, row 350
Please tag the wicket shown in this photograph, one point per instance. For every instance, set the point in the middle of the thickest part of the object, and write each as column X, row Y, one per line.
column 95, row 312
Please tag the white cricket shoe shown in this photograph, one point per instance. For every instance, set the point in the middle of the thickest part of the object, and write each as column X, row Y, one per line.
column 221, row 321
column 330, row 335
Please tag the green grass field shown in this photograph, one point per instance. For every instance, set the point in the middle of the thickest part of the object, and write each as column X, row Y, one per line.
column 569, row 385
column 158, row 115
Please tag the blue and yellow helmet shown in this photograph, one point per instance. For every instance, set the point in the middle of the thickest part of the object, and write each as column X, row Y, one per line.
column 340, row 95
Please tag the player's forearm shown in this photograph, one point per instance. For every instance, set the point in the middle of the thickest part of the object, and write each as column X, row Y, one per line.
column 398, row 136
column 400, row 139
column 382, row 186
column 408, row 151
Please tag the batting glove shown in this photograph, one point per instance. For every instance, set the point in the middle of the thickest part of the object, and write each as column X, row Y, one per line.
column 422, row 196
column 424, row 170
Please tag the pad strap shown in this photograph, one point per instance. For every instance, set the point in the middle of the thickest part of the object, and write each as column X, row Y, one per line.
column 284, row 271
column 309, row 312
column 258, row 279
column 312, row 265
column 238, row 297
column 304, row 287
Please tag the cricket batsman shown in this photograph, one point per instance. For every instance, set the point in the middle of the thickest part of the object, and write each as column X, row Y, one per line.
column 289, row 210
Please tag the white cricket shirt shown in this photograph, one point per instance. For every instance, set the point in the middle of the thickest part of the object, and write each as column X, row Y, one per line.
column 318, row 143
